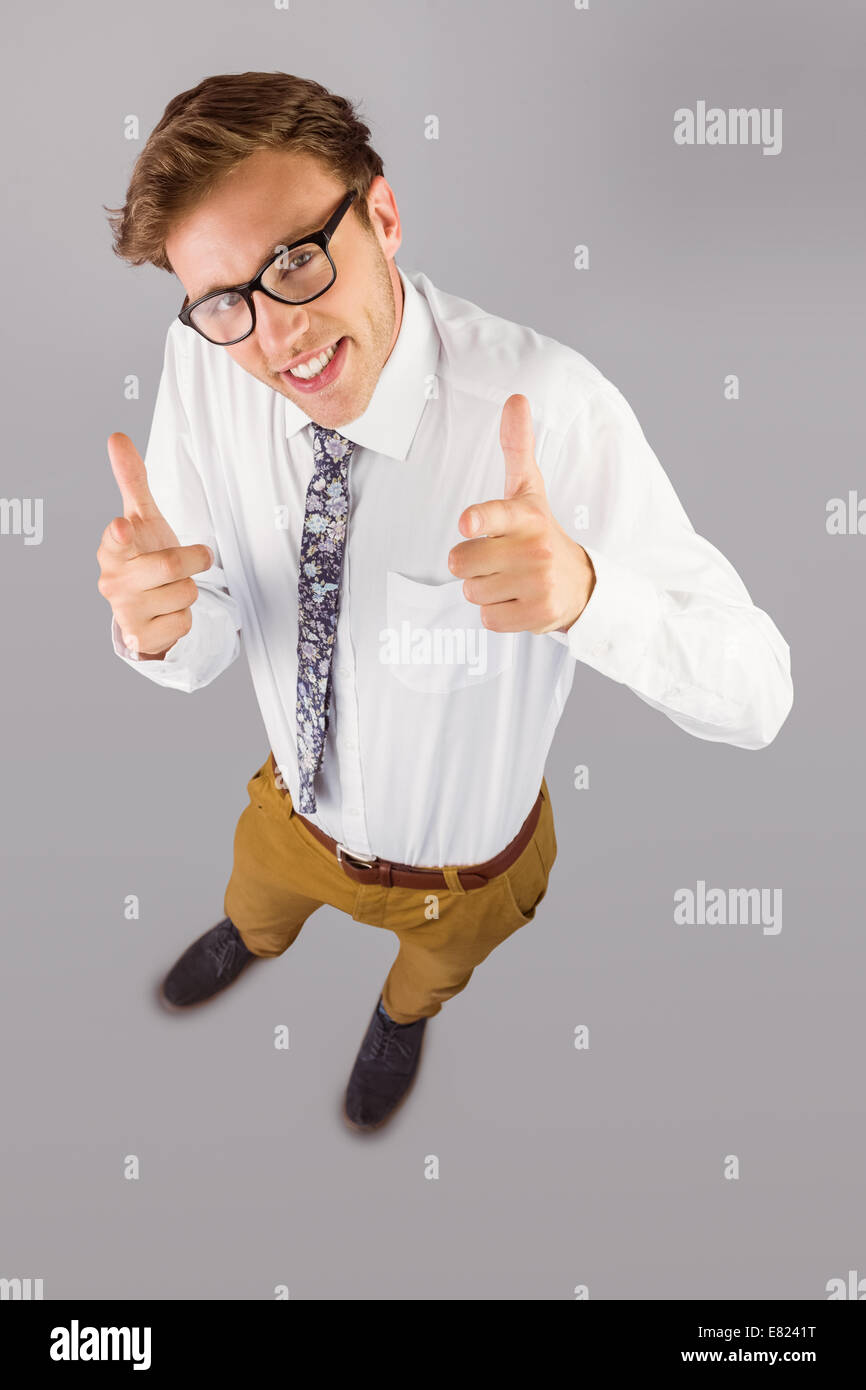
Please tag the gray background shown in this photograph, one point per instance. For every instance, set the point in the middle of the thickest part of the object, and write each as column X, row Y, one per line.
column 558, row 1167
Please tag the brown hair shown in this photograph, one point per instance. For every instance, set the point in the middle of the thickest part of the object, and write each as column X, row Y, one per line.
column 206, row 132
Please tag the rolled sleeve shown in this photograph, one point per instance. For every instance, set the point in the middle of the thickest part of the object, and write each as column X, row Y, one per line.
column 668, row 616
column 197, row 658
column 618, row 623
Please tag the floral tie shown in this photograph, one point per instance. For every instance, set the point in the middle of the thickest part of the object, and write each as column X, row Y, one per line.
column 322, row 543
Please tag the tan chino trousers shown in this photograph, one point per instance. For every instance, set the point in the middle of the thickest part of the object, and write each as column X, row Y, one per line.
column 281, row 874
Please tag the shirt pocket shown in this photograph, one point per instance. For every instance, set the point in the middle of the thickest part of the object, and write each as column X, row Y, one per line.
column 435, row 641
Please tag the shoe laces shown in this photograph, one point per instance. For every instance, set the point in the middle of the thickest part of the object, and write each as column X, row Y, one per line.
column 224, row 950
column 389, row 1036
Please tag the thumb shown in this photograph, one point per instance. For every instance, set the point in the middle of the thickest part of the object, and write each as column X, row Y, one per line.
column 122, row 532
column 119, row 539
column 130, row 475
column 517, row 442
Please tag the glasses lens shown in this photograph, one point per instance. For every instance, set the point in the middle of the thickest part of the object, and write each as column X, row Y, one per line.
column 299, row 274
column 223, row 317
column 294, row 276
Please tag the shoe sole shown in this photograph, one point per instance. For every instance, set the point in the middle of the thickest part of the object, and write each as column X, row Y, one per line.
column 369, row 1129
column 197, row 1003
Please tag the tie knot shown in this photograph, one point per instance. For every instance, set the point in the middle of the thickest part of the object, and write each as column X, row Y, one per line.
column 330, row 445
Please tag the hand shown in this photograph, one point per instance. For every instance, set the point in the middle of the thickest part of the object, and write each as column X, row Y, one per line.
column 522, row 568
column 145, row 573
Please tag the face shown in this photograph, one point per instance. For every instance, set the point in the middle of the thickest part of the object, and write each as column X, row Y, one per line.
column 270, row 200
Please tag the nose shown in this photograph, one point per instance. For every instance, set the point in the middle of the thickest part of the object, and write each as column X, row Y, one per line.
column 279, row 326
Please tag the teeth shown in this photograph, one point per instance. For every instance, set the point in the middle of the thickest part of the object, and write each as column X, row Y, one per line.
column 313, row 365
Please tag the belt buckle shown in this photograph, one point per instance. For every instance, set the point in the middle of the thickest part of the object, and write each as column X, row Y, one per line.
column 366, row 860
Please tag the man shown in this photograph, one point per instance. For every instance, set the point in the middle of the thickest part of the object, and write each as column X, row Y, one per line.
column 380, row 486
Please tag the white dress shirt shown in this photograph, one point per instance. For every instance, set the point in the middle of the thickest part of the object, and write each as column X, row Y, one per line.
column 439, row 728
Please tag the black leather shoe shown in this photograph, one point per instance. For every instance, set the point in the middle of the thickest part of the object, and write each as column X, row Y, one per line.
column 384, row 1069
column 206, row 967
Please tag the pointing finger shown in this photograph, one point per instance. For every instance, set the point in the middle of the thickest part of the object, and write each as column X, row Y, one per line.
column 131, row 477
column 517, row 442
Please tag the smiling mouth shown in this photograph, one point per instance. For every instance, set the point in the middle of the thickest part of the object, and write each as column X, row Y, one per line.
column 313, row 363
column 317, row 369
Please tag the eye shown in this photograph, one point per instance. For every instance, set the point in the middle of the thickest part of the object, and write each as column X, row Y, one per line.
column 220, row 303
column 296, row 263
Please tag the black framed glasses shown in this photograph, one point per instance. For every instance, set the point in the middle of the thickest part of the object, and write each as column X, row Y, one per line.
column 294, row 275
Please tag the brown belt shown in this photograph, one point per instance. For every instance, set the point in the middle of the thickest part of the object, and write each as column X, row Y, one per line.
column 388, row 873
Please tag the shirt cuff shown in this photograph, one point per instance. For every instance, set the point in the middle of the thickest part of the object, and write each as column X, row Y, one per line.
column 174, row 668
column 617, row 625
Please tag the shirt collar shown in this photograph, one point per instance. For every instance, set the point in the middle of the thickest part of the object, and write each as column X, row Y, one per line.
column 389, row 423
